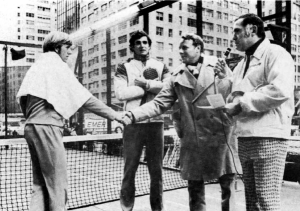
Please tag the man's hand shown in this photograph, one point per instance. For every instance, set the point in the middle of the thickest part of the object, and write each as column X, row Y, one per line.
column 221, row 68
column 232, row 109
column 127, row 118
column 119, row 118
column 141, row 82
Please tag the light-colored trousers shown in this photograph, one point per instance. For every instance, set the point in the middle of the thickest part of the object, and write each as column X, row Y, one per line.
column 263, row 162
column 49, row 167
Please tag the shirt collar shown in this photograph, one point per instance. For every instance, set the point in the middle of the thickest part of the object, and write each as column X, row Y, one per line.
column 252, row 49
column 141, row 58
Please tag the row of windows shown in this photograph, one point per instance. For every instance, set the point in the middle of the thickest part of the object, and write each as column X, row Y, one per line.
column 45, row 9
column 28, row 14
column 210, row 27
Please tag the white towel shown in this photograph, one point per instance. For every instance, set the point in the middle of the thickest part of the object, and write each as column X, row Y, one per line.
column 51, row 79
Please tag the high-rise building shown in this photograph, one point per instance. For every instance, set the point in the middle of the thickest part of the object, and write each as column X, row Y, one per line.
column 23, row 21
column 166, row 25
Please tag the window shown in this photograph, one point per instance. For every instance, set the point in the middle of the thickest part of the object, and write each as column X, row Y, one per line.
column 294, row 48
column 19, row 14
column 113, row 55
column 225, row 29
column 90, row 5
column 91, row 74
column 192, row 22
column 122, row 52
column 170, row 47
column 19, row 37
column 226, row 4
column 219, row 54
column 208, row 26
column 103, row 71
column 90, row 17
column 96, row 48
column 170, row 32
column 159, row 16
column 103, row 58
column 83, row 9
column 219, row 28
column 209, row 52
column 45, row 9
column 219, row 15
column 28, row 22
column 122, row 25
column 159, row 31
column 96, row 60
column 225, row 16
column 160, row 46
column 41, row 38
column 170, row 18
column 19, row 30
column 91, row 51
column 96, row 95
column 219, row 41
column 122, row 39
column 30, row 60
column 170, row 62
column 103, row 95
column 41, row 31
column 134, row 21
column 225, row 42
column 161, row 59
column 90, row 39
column 191, row 8
column 91, row 62
column 180, row 5
column 104, row 7
column 29, row 37
column 96, row 71
column 113, row 68
column 28, row 14
column 113, row 42
column 180, row 20
column 208, row 39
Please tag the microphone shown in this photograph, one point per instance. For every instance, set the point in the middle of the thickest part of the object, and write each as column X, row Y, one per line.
column 225, row 55
column 227, row 52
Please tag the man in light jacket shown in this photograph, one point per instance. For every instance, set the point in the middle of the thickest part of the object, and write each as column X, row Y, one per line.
column 137, row 82
column 206, row 139
column 262, row 102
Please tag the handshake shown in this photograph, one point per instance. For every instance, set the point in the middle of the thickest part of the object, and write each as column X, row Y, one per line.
column 126, row 118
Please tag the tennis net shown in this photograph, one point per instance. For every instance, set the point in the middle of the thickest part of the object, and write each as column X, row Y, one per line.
column 95, row 170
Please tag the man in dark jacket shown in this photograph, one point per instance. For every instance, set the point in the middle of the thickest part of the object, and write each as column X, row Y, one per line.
column 208, row 148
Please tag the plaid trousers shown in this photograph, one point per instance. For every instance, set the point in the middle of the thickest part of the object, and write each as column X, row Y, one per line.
column 263, row 162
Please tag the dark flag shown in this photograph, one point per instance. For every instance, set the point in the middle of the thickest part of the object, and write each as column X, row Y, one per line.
column 16, row 55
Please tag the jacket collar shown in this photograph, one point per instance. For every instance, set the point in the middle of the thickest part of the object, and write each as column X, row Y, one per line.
column 261, row 48
column 185, row 78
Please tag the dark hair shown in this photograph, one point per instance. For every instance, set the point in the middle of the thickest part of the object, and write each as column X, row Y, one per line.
column 137, row 35
column 197, row 40
column 255, row 20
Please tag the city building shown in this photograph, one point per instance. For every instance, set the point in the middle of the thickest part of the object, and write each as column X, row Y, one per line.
column 269, row 8
column 166, row 26
column 23, row 21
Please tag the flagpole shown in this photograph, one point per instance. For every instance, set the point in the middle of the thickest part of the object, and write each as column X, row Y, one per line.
column 5, row 88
